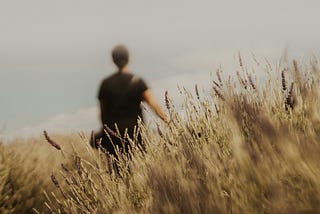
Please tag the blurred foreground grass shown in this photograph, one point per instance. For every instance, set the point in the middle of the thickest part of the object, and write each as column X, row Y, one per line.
column 246, row 147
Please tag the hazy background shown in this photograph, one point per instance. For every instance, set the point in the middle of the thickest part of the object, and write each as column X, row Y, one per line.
column 53, row 54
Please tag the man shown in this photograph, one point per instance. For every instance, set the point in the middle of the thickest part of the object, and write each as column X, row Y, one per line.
column 120, row 96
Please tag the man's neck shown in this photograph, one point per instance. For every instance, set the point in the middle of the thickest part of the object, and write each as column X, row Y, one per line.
column 125, row 69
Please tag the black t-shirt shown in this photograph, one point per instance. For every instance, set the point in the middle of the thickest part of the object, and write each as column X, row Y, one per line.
column 120, row 96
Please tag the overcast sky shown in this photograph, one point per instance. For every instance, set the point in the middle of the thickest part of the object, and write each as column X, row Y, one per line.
column 53, row 54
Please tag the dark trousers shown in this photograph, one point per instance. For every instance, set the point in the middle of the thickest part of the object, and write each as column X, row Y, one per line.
column 114, row 147
column 114, row 144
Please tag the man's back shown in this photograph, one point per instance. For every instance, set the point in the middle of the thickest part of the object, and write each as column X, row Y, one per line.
column 120, row 96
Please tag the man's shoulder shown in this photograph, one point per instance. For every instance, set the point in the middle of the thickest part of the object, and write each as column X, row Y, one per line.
column 139, row 83
column 109, row 78
column 134, row 78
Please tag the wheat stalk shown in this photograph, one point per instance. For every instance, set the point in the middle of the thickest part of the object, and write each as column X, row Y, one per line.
column 50, row 141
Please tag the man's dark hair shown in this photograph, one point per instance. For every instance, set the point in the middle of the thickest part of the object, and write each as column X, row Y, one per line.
column 120, row 56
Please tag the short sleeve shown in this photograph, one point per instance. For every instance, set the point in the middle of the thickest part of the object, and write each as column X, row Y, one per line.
column 139, row 85
column 142, row 86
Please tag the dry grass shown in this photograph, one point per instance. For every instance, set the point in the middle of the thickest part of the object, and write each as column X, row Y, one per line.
column 245, row 148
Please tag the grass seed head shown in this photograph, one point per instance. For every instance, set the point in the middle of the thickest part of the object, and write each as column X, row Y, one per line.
column 240, row 59
column 166, row 98
column 50, row 141
column 251, row 82
column 54, row 180
column 283, row 80
column 218, row 93
column 197, row 92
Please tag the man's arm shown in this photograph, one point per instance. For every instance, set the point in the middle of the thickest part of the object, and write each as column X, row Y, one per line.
column 149, row 98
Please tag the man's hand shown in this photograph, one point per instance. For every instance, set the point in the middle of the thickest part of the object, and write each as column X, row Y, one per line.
column 149, row 98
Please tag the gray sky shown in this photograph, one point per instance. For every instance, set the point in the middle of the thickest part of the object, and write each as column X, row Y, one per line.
column 53, row 54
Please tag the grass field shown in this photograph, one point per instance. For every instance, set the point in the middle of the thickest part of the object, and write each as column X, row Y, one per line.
column 245, row 147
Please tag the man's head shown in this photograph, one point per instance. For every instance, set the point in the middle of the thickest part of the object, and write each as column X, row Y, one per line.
column 120, row 56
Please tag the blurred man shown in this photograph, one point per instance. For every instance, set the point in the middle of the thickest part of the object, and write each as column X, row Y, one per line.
column 120, row 96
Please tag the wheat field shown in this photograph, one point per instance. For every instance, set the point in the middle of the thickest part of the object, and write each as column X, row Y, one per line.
column 249, row 145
